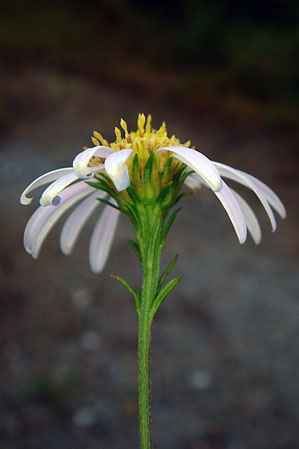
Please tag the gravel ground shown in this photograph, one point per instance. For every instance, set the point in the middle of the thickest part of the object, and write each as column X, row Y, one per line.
column 225, row 343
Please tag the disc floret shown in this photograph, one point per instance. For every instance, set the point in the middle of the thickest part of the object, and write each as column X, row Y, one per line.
column 142, row 141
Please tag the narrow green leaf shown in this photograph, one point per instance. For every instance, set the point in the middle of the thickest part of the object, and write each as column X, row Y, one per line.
column 135, row 166
column 151, row 256
column 167, row 271
column 170, row 222
column 108, row 203
column 138, row 293
column 99, row 184
column 163, row 193
column 102, row 182
column 154, row 239
column 182, row 179
column 133, row 214
column 163, row 293
column 132, row 194
column 96, row 185
column 131, row 290
column 135, row 248
column 107, row 190
column 176, row 166
column 182, row 195
column 102, row 176
column 185, row 175
column 179, row 172
column 148, row 169
column 179, row 178
column 167, row 168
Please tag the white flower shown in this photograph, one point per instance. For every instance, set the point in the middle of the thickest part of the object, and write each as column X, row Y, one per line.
column 60, row 196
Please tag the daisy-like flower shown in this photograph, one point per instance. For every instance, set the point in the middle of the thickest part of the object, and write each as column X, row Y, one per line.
column 140, row 174
column 141, row 167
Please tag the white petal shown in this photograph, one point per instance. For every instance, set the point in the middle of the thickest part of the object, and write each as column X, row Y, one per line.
column 42, row 213
column 250, row 218
column 117, row 169
column 44, row 218
column 199, row 163
column 81, row 161
column 244, row 179
column 102, row 237
column 42, row 180
column 50, row 195
column 233, row 210
column 75, row 222
column 270, row 196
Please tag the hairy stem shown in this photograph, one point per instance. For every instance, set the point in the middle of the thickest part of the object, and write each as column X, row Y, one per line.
column 150, row 243
column 144, row 343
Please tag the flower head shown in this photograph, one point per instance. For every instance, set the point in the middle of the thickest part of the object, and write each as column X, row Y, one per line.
column 141, row 170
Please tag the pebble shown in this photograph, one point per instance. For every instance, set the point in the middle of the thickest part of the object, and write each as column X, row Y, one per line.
column 81, row 298
column 84, row 417
column 200, row 379
column 90, row 341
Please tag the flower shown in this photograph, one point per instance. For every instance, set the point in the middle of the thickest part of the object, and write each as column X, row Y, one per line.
column 145, row 165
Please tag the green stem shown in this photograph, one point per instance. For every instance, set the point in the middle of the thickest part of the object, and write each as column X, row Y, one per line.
column 144, row 344
column 150, row 269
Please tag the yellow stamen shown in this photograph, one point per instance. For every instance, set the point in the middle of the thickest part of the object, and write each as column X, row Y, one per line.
column 124, row 126
column 98, row 136
column 144, row 140
column 148, row 126
column 162, row 130
column 118, row 134
column 95, row 141
column 140, row 123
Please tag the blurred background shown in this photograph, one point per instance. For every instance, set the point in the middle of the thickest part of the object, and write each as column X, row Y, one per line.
column 225, row 343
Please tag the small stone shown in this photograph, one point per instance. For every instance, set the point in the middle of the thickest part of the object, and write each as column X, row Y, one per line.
column 81, row 297
column 200, row 379
column 84, row 417
column 90, row 341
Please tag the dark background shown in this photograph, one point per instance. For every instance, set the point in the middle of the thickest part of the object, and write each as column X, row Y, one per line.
column 225, row 343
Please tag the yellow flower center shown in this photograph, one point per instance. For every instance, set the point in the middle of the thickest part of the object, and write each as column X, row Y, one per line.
column 144, row 140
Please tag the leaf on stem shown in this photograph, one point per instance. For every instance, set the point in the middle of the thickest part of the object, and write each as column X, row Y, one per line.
column 96, row 185
column 170, row 222
column 135, row 166
column 167, row 271
column 135, row 248
column 163, row 293
column 135, row 295
column 133, row 195
column 155, row 237
column 167, row 167
column 182, row 195
column 102, row 176
column 148, row 169
column 103, row 186
column 185, row 176
column 178, row 173
column 164, row 192
column 109, row 204
column 133, row 215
